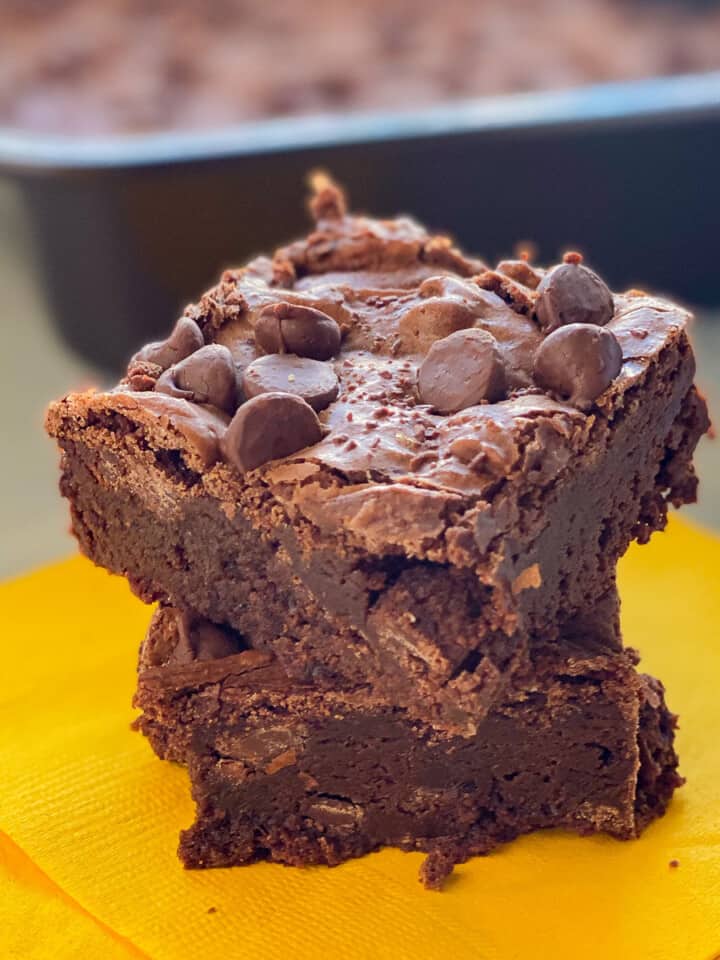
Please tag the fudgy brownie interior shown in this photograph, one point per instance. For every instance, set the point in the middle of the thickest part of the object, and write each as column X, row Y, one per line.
column 288, row 772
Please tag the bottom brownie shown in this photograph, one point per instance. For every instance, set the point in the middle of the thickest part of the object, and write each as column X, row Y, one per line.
column 284, row 772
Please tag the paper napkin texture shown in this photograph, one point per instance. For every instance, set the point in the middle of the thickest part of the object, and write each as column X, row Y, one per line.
column 90, row 817
column 38, row 920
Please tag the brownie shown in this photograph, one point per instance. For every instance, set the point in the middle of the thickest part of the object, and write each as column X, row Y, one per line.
column 83, row 67
column 289, row 772
column 389, row 464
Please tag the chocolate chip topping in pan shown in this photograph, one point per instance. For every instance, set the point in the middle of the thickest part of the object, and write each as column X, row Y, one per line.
column 291, row 328
column 578, row 362
column 461, row 371
column 268, row 427
column 185, row 339
column 571, row 293
column 313, row 381
column 206, row 376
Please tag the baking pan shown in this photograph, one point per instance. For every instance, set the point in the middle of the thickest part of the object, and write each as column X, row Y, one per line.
column 127, row 229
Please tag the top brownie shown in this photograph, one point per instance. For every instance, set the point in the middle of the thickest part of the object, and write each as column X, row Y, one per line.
column 388, row 462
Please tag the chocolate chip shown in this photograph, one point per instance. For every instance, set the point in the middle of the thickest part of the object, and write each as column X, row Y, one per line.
column 293, row 328
column 185, row 339
column 206, row 376
column 315, row 382
column 578, row 362
column 267, row 331
column 570, row 293
column 268, row 427
column 446, row 305
column 462, row 370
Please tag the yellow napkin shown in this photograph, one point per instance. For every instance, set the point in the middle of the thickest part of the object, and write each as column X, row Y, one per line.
column 90, row 817
column 38, row 920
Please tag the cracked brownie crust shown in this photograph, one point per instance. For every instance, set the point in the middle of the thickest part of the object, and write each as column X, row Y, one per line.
column 428, row 533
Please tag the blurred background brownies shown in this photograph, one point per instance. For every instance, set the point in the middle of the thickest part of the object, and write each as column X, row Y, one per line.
column 78, row 66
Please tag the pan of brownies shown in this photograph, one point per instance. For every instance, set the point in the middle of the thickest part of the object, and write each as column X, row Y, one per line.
column 152, row 147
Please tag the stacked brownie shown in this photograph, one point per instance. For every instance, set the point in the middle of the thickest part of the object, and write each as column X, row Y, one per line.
column 380, row 491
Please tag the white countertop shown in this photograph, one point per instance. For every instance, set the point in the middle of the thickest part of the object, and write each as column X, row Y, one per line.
column 35, row 367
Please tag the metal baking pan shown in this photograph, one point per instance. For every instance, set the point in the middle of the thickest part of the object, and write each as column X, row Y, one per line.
column 127, row 229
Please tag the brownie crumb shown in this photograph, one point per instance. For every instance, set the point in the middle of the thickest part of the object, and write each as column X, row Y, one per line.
column 327, row 201
column 212, row 909
column 142, row 375
column 674, row 864
column 435, row 869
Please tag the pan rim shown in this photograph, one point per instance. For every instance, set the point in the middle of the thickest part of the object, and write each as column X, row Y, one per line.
column 655, row 99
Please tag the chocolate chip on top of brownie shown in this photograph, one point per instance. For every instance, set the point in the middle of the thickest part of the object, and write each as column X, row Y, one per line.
column 417, row 359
